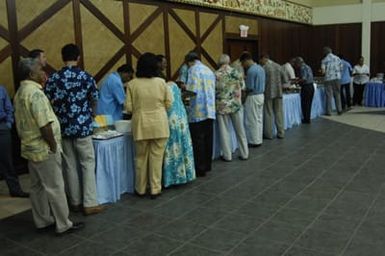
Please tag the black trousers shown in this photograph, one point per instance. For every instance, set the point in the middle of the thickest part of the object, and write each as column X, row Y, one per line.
column 6, row 165
column 358, row 93
column 345, row 96
column 307, row 93
column 202, row 140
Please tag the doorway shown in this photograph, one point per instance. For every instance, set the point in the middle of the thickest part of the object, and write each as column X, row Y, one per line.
column 235, row 47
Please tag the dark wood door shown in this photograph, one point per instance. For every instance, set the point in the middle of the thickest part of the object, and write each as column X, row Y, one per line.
column 235, row 47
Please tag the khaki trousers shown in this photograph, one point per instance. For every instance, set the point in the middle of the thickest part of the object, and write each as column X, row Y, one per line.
column 79, row 154
column 273, row 110
column 224, row 121
column 333, row 89
column 48, row 199
column 149, row 160
column 254, row 118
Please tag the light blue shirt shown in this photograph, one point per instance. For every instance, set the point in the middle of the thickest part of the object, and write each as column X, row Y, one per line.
column 255, row 79
column 111, row 97
column 183, row 74
column 332, row 66
column 201, row 80
column 346, row 70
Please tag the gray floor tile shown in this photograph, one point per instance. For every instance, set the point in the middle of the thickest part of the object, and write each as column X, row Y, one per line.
column 298, row 251
column 275, row 231
column 205, row 216
column 148, row 221
column 322, row 241
column 295, row 217
column 338, row 224
column 151, row 245
column 360, row 249
column 19, row 251
column 52, row 244
column 180, row 230
column 266, row 249
column 191, row 250
column 308, row 203
column 88, row 248
column 258, row 210
column 239, row 223
column 217, row 239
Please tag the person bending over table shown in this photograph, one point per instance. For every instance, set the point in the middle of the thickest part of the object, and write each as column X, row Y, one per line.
column 148, row 97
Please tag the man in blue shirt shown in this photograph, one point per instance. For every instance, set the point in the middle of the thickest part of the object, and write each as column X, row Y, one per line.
column 6, row 165
column 111, row 92
column 346, row 79
column 306, row 80
column 255, row 88
column 73, row 95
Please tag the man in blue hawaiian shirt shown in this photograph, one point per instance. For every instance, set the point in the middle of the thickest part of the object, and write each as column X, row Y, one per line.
column 201, row 112
column 73, row 95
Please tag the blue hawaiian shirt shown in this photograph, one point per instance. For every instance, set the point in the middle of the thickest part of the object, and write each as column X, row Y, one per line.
column 72, row 92
column 332, row 66
column 201, row 80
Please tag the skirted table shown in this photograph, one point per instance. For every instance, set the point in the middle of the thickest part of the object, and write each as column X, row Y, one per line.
column 292, row 116
column 374, row 95
column 114, row 168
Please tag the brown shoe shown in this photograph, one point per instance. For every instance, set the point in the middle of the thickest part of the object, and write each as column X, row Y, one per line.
column 93, row 210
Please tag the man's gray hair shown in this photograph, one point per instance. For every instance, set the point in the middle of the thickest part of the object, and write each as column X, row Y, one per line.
column 26, row 65
column 299, row 60
column 223, row 60
column 327, row 50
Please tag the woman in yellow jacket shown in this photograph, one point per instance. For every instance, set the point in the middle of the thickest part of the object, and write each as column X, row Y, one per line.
column 148, row 97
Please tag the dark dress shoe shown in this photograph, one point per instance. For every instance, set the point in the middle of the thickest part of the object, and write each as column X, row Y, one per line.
column 200, row 174
column 21, row 194
column 136, row 193
column 47, row 228
column 76, row 226
column 153, row 197
column 254, row 145
column 224, row 159
column 243, row 158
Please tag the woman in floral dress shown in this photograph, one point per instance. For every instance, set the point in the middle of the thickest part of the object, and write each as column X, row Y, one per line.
column 178, row 166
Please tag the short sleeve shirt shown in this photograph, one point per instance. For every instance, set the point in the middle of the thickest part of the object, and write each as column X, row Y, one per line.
column 32, row 112
column 332, row 66
column 72, row 92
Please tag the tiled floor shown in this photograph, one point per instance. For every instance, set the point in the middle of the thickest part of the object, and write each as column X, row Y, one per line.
column 320, row 191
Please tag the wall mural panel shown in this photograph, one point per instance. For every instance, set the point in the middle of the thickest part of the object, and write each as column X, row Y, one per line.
column 271, row 8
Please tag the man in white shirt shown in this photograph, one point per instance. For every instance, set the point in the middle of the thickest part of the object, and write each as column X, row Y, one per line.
column 361, row 76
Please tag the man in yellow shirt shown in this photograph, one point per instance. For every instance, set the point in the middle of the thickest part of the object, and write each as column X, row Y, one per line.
column 39, row 132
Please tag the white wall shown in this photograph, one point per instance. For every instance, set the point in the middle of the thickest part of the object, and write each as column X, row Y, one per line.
column 363, row 13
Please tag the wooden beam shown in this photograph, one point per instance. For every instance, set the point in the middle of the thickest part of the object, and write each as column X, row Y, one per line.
column 183, row 25
column 78, row 31
column 167, row 40
column 211, row 28
column 5, row 52
column 145, row 24
column 41, row 18
column 106, row 22
column 4, row 33
column 127, row 31
column 107, row 67
column 208, row 58
column 14, row 39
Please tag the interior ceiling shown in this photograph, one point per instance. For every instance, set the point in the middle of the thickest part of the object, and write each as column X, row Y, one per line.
column 318, row 3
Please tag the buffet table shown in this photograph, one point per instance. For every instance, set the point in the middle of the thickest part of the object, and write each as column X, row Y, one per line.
column 114, row 168
column 374, row 95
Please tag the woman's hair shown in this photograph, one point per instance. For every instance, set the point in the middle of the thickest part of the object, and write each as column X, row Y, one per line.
column 147, row 66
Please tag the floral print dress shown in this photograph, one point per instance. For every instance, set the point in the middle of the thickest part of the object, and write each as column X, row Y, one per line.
column 178, row 166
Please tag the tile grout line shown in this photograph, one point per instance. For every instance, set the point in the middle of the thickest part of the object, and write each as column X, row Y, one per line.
column 250, row 200
column 330, row 202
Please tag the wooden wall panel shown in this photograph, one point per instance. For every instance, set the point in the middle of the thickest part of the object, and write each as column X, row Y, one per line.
column 113, row 10
column 377, row 58
column 233, row 23
column 205, row 20
column 180, row 45
column 6, row 77
column 3, row 43
column 99, row 43
column 139, row 13
column 188, row 18
column 152, row 38
column 28, row 10
column 49, row 38
column 3, row 14
column 213, row 44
